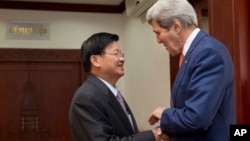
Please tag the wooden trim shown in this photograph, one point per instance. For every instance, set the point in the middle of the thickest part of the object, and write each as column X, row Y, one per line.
column 69, row 7
column 241, row 58
column 229, row 23
column 43, row 55
column 40, row 55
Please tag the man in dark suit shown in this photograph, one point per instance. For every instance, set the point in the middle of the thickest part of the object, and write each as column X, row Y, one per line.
column 95, row 113
column 202, row 97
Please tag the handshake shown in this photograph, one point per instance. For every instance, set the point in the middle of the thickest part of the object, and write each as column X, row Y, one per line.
column 159, row 136
column 154, row 118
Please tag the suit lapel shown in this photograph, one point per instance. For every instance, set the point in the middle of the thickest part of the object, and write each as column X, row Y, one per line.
column 118, row 109
column 181, row 72
column 112, row 101
column 132, row 116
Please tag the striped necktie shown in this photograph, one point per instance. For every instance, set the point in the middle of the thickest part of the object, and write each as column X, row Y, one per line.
column 121, row 101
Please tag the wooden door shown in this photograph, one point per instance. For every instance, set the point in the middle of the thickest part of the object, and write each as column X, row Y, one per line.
column 35, row 99
column 229, row 22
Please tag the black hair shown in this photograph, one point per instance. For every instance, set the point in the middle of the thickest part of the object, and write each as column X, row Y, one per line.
column 95, row 45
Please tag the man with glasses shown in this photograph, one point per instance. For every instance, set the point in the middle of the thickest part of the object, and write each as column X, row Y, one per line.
column 98, row 112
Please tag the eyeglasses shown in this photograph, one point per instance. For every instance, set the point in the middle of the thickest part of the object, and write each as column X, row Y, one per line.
column 116, row 54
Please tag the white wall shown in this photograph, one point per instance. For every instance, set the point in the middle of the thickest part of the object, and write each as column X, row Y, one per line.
column 67, row 29
column 146, row 84
column 147, row 78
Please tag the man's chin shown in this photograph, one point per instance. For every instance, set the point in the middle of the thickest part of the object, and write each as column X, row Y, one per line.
column 121, row 74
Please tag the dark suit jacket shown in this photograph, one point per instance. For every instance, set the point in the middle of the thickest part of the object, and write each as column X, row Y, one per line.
column 203, row 94
column 96, row 115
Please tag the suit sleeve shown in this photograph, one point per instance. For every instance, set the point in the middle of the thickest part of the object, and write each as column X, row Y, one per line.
column 202, row 90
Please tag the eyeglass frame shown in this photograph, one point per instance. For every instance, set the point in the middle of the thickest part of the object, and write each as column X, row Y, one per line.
column 117, row 54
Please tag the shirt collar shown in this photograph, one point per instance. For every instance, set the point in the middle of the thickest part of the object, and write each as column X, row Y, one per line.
column 190, row 40
column 112, row 89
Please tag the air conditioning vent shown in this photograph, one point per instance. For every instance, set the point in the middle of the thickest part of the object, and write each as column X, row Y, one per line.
column 138, row 8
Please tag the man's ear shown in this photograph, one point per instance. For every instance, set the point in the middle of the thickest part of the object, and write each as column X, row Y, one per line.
column 177, row 25
column 95, row 60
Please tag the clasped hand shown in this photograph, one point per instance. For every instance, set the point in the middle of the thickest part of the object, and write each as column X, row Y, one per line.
column 154, row 118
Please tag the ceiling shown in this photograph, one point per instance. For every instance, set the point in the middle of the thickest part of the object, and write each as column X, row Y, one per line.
column 99, row 6
column 101, row 2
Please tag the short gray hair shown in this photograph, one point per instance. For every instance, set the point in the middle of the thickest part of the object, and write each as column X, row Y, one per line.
column 164, row 11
